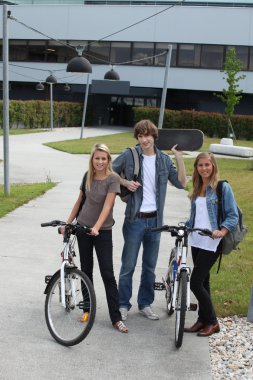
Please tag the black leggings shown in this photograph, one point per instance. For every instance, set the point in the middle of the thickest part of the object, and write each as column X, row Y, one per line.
column 200, row 283
column 103, row 247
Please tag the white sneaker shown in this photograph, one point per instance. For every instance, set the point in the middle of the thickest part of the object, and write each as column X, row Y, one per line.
column 148, row 312
column 123, row 312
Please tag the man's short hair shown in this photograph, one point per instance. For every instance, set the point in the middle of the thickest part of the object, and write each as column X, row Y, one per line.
column 146, row 128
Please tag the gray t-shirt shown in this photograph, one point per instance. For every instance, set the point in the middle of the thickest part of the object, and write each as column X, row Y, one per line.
column 95, row 199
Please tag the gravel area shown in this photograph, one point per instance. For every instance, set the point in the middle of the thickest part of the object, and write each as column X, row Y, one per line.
column 231, row 350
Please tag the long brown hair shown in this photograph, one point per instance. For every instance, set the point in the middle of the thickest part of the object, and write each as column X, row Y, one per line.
column 196, row 177
column 90, row 175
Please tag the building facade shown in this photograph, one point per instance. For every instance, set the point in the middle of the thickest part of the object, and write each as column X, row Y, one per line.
column 133, row 38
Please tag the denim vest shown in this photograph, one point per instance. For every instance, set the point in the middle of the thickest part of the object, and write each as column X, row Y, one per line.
column 165, row 170
column 229, row 206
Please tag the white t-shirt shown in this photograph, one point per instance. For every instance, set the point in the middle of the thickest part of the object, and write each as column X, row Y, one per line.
column 202, row 221
column 149, row 189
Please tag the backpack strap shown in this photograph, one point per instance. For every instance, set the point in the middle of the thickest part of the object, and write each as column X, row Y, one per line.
column 83, row 189
column 219, row 195
column 136, row 162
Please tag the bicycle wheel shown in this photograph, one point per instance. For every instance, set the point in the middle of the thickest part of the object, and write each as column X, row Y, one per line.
column 170, row 282
column 64, row 322
column 180, row 309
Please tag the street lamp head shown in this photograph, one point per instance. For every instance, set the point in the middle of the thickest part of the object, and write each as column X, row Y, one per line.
column 51, row 79
column 112, row 75
column 79, row 65
column 40, row 86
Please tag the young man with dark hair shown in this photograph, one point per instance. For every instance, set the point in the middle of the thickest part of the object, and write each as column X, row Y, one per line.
column 145, row 209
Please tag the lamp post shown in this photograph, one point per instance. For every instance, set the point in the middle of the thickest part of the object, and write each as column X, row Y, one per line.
column 163, row 99
column 51, row 80
column 6, row 14
column 80, row 64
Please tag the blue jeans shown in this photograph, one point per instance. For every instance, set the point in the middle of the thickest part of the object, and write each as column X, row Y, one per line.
column 134, row 234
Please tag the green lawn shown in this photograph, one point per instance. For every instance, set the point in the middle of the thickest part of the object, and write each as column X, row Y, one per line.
column 20, row 194
column 117, row 143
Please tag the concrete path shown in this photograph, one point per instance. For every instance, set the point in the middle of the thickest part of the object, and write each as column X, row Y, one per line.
column 28, row 253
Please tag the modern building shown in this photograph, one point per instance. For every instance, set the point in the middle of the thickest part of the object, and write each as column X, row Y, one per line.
column 133, row 37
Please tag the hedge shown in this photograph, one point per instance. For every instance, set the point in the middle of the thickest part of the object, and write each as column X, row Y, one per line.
column 36, row 114
column 211, row 124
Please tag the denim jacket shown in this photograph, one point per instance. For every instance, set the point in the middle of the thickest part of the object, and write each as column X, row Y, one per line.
column 165, row 170
column 229, row 207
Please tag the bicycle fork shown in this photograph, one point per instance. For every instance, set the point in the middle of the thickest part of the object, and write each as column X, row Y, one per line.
column 70, row 289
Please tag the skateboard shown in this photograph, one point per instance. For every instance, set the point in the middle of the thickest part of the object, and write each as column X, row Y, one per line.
column 186, row 139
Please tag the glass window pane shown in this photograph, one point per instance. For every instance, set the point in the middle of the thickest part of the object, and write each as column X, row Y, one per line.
column 141, row 52
column 163, row 47
column 18, row 50
column 212, row 56
column 251, row 58
column 120, row 52
column 188, row 55
column 36, row 50
column 98, row 52
column 241, row 54
column 151, row 102
column 59, row 52
column 128, row 101
column 138, row 101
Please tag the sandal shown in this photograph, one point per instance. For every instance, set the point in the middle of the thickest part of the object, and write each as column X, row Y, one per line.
column 121, row 327
column 84, row 318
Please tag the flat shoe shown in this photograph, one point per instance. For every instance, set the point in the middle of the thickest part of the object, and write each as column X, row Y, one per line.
column 195, row 328
column 209, row 330
column 121, row 327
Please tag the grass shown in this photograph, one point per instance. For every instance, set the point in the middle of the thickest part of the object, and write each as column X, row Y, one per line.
column 22, row 131
column 231, row 287
column 117, row 143
column 21, row 194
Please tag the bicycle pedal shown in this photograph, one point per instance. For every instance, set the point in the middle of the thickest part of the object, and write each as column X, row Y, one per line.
column 159, row 286
column 193, row 306
column 47, row 279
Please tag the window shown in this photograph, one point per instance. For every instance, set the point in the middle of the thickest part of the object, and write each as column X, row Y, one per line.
column 188, row 55
column 120, row 52
column 36, row 50
column 212, row 56
column 139, row 102
column 251, row 58
column 161, row 60
column 242, row 53
column 98, row 52
column 18, row 50
column 142, row 51
column 58, row 52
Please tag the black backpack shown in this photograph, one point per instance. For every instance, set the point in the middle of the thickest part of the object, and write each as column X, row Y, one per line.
column 124, row 192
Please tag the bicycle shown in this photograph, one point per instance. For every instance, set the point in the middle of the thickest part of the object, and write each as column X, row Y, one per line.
column 70, row 305
column 177, row 280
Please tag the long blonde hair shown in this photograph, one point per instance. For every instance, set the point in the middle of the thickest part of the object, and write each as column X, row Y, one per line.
column 197, row 179
column 90, row 174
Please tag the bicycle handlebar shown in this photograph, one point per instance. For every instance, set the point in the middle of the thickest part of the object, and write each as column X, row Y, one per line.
column 72, row 227
column 176, row 229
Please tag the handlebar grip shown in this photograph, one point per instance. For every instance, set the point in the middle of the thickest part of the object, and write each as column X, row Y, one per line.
column 205, row 232
column 46, row 224
column 86, row 229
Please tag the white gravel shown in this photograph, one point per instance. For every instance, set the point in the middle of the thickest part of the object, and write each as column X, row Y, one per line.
column 231, row 350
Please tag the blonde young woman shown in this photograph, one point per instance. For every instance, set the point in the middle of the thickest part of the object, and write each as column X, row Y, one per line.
column 102, row 186
column 205, row 251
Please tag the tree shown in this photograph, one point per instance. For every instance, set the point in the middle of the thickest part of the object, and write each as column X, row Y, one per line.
column 232, row 95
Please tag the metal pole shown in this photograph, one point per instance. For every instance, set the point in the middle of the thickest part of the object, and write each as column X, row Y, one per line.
column 6, row 100
column 51, row 107
column 163, row 99
column 85, row 105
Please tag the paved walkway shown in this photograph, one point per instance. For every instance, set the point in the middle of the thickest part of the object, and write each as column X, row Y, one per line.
column 29, row 252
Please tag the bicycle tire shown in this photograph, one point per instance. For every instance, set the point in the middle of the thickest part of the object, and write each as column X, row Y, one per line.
column 180, row 307
column 64, row 322
column 170, row 283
